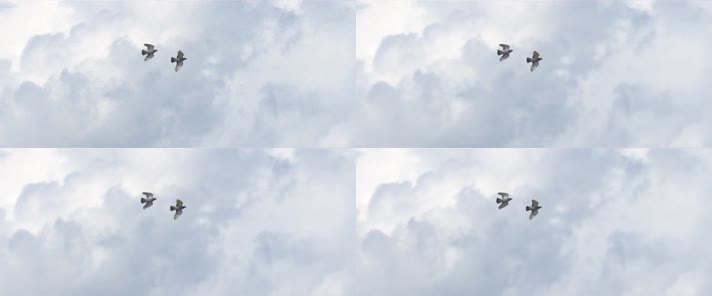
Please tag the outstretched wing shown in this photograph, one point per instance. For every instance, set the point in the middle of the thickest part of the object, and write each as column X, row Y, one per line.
column 177, row 214
column 179, row 202
column 533, row 214
column 180, row 54
column 179, row 64
column 534, row 65
column 536, row 54
column 148, row 194
column 503, row 194
column 534, row 203
column 504, row 46
column 149, row 46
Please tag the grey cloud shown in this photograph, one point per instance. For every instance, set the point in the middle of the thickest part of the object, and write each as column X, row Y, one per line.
column 248, row 228
column 238, row 54
column 604, row 240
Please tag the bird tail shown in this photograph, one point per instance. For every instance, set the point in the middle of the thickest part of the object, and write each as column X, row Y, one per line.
column 144, row 52
column 173, row 208
column 529, row 208
column 173, row 60
column 529, row 60
column 499, row 52
column 499, row 200
column 143, row 200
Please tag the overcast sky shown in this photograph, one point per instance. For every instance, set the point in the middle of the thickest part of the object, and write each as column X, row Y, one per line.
column 275, row 73
column 613, row 222
column 615, row 73
column 362, row 73
column 257, row 222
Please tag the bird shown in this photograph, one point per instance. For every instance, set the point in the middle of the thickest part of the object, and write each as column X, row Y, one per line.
column 178, row 60
column 148, row 200
column 149, row 51
column 534, row 60
column 178, row 208
column 504, row 201
column 504, row 52
column 534, row 208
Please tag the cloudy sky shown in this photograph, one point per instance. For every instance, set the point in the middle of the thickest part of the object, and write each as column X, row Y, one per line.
column 257, row 222
column 259, row 73
column 361, row 73
column 613, row 222
column 615, row 73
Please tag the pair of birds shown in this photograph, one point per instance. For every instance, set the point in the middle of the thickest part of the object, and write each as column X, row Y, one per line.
column 506, row 50
column 504, row 200
column 150, row 50
column 149, row 199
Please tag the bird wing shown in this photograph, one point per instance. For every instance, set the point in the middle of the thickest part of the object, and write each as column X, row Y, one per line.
column 533, row 214
column 503, row 204
column 180, row 54
column 179, row 64
column 504, row 46
column 148, row 194
column 534, row 203
column 503, row 194
column 177, row 214
column 179, row 203
column 148, row 204
column 536, row 54
column 149, row 46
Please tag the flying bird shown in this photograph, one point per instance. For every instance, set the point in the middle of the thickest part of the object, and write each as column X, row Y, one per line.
column 534, row 208
column 504, row 201
column 178, row 60
column 534, row 60
column 178, row 208
column 149, row 51
column 148, row 200
column 504, row 52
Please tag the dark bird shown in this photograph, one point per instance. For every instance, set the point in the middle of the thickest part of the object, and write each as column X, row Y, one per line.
column 534, row 208
column 149, row 51
column 178, row 60
column 534, row 60
column 504, row 200
column 178, row 208
column 504, row 52
column 148, row 200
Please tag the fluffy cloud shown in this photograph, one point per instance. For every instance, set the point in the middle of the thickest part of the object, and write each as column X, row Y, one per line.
column 614, row 222
column 257, row 222
column 615, row 73
column 259, row 73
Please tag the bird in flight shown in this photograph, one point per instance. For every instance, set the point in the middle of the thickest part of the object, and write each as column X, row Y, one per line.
column 148, row 200
column 504, row 52
column 149, row 51
column 178, row 60
column 504, row 200
column 534, row 60
column 178, row 208
column 534, row 208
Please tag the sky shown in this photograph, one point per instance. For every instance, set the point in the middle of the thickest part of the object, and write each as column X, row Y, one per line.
column 613, row 222
column 355, row 222
column 356, row 73
column 257, row 222
column 275, row 73
column 615, row 73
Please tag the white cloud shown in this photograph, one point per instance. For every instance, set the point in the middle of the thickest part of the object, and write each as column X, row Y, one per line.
column 613, row 222
column 71, row 222
column 614, row 74
column 259, row 73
